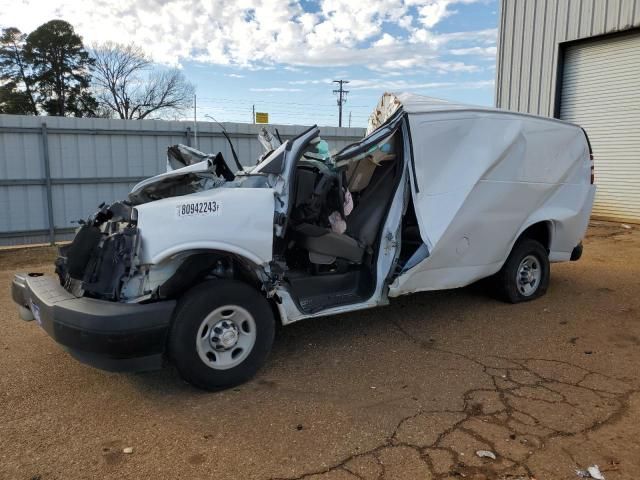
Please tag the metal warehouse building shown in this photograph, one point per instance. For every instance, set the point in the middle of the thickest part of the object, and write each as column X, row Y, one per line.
column 579, row 60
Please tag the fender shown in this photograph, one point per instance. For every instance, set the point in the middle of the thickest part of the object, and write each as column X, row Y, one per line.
column 242, row 225
column 220, row 247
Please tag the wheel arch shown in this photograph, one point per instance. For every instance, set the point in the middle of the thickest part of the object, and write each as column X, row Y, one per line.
column 221, row 264
column 208, row 246
column 540, row 231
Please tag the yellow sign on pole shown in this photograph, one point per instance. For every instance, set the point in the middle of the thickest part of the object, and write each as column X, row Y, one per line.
column 262, row 117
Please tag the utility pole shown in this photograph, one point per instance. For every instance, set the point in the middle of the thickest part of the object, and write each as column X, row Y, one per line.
column 342, row 98
column 253, row 114
column 195, row 121
column 349, row 119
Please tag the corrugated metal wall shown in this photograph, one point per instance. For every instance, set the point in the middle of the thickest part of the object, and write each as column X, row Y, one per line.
column 600, row 92
column 528, row 45
column 96, row 160
column 538, row 41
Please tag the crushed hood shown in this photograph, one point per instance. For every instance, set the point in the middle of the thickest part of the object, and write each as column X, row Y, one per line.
column 179, row 156
column 188, row 171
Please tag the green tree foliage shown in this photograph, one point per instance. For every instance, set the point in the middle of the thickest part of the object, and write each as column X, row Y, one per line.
column 14, row 101
column 61, row 70
column 50, row 72
column 16, row 80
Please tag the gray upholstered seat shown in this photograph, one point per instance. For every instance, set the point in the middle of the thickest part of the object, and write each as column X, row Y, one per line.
column 363, row 224
column 365, row 221
column 324, row 245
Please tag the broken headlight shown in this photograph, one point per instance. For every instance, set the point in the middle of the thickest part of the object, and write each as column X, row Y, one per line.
column 101, row 254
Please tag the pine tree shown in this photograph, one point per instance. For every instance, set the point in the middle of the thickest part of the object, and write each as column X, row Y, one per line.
column 61, row 69
column 16, row 79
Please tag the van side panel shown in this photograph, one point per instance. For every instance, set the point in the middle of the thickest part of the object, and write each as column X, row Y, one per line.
column 483, row 178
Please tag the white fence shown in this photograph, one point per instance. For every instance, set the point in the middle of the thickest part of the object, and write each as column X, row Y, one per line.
column 54, row 171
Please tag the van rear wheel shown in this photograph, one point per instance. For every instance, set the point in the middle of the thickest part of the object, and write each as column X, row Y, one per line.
column 525, row 274
column 221, row 334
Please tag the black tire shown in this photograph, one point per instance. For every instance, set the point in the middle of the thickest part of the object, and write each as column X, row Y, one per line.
column 506, row 280
column 195, row 305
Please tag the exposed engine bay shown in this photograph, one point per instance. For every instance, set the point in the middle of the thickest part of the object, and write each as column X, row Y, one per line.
column 101, row 253
column 103, row 260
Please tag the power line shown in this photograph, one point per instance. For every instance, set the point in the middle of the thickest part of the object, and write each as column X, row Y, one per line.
column 227, row 109
column 233, row 100
column 278, row 106
column 244, row 112
column 248, row 108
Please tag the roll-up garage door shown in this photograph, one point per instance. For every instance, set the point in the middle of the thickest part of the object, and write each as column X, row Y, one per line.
column 601, row 92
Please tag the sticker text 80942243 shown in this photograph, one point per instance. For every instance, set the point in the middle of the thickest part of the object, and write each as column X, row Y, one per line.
column 210, row 207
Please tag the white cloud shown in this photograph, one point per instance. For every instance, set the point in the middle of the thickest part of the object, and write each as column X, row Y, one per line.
column 446, row 67
column 259, row 34
column 311, row 81
column 486, row 36
column 403, row 85
column 234, row 75
column 275, row 89
column 475, row 51
column 401, row 63
column 395, row 85
column 432, row 12
column 385, row 41
column 405, row 22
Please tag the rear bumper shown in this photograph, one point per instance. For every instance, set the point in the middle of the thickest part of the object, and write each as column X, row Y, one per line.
column 107, row 335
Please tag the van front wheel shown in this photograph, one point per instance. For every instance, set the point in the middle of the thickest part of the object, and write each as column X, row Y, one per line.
column 221, row 334
column 525, row 274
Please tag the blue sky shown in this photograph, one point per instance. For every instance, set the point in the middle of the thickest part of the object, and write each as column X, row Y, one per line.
column 281, row 55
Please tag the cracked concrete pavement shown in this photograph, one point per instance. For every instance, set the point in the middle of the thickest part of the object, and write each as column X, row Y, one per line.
column 408, row 391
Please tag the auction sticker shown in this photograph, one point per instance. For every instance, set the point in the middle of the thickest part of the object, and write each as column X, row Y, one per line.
column 199, row 209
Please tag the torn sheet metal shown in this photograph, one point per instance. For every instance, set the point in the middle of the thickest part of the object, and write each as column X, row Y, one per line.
column 179, row 156
column 386, row 107
column 268, row 141
column 390, row 103
column 188, row 171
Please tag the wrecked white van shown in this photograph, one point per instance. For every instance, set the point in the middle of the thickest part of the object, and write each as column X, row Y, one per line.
column 199, row 264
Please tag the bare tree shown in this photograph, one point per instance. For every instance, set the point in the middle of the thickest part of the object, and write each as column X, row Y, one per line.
column 127, row 83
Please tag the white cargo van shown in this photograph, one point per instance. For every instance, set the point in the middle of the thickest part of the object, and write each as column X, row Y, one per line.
column 199, row 264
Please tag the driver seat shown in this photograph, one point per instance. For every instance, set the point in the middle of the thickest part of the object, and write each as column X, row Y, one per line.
column 325, row 245
column 363, row 225
column 313, row 183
